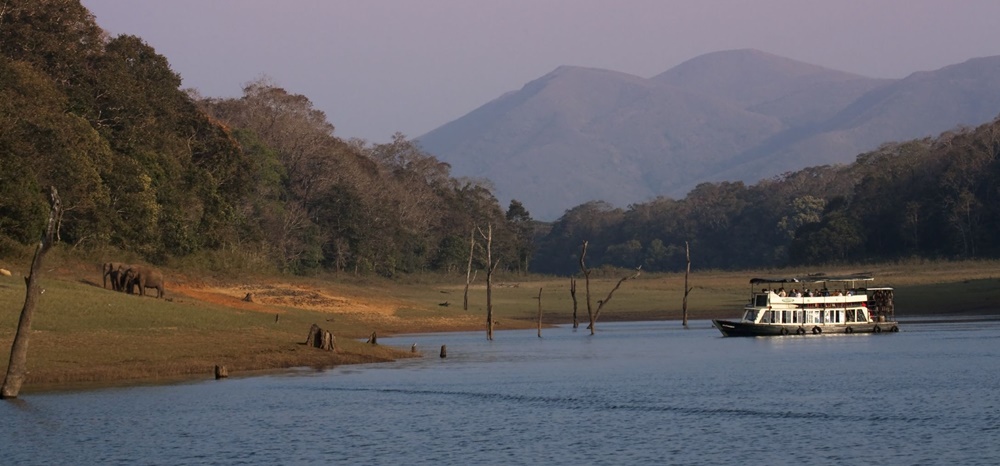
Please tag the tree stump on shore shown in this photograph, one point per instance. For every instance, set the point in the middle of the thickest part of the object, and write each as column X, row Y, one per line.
column 327, row 343
column 221, row 372
column 248, row 298
column 444, row 351
column 322, row 339
column 313, row 335
column 373, row 339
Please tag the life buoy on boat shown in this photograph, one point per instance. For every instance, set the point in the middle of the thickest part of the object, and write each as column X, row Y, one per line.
column 801, row 331
column 784, row 331
column 817, row 330
column 877, row 329
column 849, row 329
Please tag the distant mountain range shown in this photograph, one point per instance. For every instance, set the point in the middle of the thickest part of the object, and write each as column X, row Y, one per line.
column 582, row 134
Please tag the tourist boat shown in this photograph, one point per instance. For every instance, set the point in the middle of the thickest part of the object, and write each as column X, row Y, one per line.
column 816, row 304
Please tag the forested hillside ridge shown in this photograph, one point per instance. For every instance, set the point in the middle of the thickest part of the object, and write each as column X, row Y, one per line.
column 157, row 172
column 581, row 134
column 154, row 173
column 928, row 198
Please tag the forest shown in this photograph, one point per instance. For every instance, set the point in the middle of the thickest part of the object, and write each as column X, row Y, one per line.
column 934, row 198
column 147, row 168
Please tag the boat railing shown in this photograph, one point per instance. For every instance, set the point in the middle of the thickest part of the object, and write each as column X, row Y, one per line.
column 774, row 300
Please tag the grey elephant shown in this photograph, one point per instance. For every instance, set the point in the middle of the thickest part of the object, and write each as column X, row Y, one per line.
column 144, row 277
column 114, row 271
column 124, row 285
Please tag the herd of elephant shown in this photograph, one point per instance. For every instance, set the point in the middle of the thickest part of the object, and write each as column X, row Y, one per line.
column 126, row 278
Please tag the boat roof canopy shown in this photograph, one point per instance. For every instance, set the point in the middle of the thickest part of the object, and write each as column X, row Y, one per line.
column 817, row 278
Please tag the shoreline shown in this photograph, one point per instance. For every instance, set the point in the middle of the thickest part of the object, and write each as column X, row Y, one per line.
column 984, row 315
column 88, row 337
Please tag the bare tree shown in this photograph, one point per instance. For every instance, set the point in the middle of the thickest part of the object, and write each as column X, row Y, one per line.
column 468, row 270
column 490, row 267
column 17, row 367
column 539, row 298
column 600, row 304
column 687, row 253
column 572, row 294
column 586, row 282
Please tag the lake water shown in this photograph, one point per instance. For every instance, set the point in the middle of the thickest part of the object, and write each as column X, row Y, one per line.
column 636, row 393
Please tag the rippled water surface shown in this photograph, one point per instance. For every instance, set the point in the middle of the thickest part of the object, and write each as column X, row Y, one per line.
column 637, row 393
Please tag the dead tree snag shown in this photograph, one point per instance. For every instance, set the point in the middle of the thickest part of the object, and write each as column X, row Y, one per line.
column 17, row 368
column 684, row 307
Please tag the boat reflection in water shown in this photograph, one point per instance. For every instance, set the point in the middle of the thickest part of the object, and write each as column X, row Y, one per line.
column 815, row 304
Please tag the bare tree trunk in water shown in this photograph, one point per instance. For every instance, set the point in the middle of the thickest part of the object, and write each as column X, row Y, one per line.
column 490, row 266
column 17, row 367
column 468, row 270
column 586, row 281
column 687, row 252
column 600, row 304
column 572, row 294
column 539, row 312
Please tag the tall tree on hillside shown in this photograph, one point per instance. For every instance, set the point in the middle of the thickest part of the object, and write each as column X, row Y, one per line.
column 321, row 176
column 59, row 38
column 43, row 145
column 194, row 166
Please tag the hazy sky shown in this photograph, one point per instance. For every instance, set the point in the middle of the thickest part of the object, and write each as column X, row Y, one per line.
column 376, row 67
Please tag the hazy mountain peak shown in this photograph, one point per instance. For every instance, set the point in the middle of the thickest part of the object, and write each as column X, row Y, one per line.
column 749, row 76
column 578, row 134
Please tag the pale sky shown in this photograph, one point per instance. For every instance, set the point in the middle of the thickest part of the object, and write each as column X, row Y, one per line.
column 379, row 66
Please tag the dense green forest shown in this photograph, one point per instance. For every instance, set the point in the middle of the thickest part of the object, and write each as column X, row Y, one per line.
column 930, row 198
column 147, row 168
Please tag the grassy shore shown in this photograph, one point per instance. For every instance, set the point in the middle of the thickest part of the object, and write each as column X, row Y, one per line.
column 85, row 334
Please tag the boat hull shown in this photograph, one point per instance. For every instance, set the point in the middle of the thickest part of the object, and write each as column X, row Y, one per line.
column 747, row 329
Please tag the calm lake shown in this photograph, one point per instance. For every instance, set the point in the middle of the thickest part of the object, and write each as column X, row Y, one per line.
column 636, row 393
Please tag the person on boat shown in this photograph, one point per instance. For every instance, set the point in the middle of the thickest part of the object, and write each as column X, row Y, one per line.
column 781, row 292
column 796, row 293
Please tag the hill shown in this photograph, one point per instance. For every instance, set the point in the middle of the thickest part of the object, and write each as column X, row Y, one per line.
column 581, row 134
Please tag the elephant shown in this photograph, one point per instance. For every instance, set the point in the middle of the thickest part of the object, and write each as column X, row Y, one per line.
column 124, row 285
column 144, row 277
column 115, row 271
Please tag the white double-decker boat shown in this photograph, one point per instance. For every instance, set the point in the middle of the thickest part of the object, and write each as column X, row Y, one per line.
column 814, row 305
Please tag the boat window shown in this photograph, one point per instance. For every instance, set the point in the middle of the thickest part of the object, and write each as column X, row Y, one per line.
column 850, row 315
column 751, row 316
column 761, row 300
